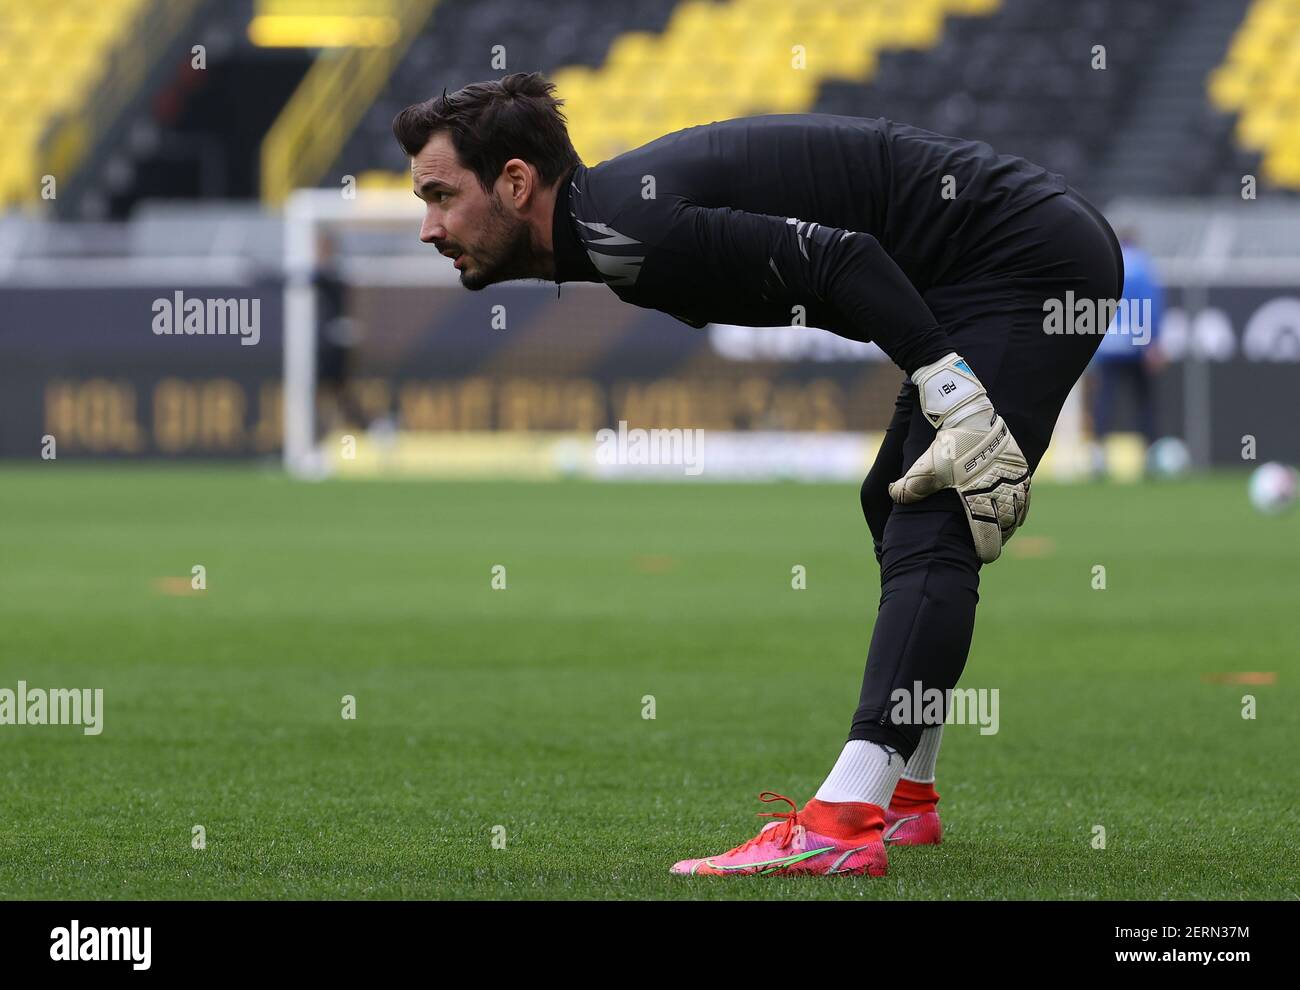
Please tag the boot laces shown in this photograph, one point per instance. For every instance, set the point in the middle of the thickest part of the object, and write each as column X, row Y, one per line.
column 785, row 834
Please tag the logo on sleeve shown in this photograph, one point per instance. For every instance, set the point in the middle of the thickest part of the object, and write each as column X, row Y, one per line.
column 614, row 268
column 803, row 232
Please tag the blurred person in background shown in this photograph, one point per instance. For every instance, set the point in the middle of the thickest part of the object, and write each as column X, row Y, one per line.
column 1129, row 357
column 337, row 337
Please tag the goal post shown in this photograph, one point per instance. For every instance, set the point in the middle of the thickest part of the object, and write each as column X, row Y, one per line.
column 394, row 218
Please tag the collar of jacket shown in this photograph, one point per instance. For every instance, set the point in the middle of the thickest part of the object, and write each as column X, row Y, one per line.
column 572, row 263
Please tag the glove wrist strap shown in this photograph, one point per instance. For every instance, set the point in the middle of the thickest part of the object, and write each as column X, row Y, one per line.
column 949, row 391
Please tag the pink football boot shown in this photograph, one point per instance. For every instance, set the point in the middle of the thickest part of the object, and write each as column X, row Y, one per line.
column 821, row 839
column 911, row 818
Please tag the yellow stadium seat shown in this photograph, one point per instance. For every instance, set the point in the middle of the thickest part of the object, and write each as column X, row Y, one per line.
column 718, row 60
column 51, row 59
column 1257, row 128
column 1282, row 169
column 1260, row 78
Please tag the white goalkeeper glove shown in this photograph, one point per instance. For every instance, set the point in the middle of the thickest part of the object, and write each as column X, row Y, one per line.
column 973, row 451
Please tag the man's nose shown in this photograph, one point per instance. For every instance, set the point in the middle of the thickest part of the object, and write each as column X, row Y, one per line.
column 432, row 230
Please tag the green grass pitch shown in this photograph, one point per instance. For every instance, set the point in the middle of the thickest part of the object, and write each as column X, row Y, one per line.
column 522, row 708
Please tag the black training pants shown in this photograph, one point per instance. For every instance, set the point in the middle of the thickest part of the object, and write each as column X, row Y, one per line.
column 993, row 312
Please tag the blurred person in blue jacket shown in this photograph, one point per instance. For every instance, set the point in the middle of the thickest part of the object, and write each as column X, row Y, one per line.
column 1129, row 356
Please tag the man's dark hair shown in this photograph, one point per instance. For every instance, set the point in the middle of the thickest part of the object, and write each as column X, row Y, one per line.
column 492, row 122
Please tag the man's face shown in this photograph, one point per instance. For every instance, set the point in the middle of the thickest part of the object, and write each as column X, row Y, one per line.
column 489, row 240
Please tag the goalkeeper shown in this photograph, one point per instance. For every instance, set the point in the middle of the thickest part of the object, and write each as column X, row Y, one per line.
column 944, row 253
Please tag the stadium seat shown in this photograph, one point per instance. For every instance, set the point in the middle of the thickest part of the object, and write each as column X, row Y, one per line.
column 52, row 58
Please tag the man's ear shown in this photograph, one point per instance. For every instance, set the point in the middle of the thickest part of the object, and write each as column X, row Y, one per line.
column 519, row 172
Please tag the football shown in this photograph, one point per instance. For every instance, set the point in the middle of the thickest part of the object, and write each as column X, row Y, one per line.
column 1169, row 457
column 1273, row 487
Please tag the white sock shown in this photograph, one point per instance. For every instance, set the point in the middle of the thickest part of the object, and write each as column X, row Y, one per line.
column 920, row 768
column 865, row 772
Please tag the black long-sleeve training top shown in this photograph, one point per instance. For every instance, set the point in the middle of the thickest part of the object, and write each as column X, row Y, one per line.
column 741, row 221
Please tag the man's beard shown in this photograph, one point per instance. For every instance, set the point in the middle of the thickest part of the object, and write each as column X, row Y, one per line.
column 511, row 249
